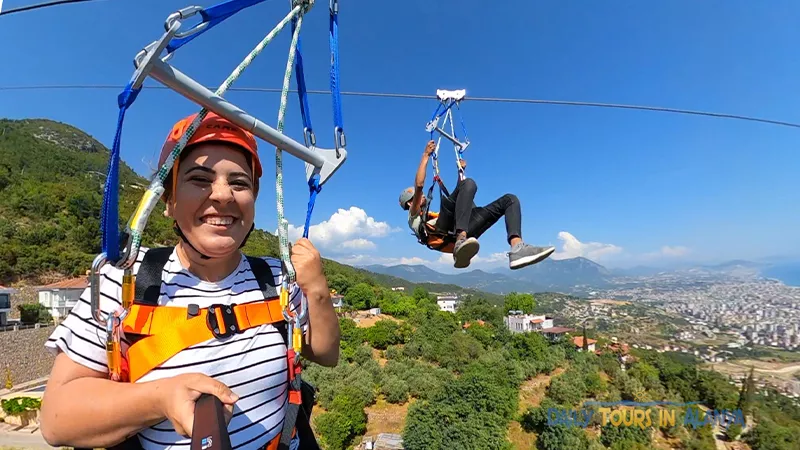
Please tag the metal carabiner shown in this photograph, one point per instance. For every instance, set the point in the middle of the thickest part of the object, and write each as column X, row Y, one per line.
column 339, row 140
column 309, row 137
column 94, row 288
column 186, row 13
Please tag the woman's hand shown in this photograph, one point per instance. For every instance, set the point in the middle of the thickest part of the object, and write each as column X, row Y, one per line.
column 179, row 394
column 308, row 265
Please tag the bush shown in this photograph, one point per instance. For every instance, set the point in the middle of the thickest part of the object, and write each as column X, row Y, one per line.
column 31, row 313
column 395, row 390
column 18, row 405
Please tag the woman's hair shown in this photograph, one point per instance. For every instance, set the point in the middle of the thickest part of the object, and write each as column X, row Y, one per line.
column 169, row 185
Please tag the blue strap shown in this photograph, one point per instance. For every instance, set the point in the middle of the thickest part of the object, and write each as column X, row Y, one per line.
column 314, row 188
column 305, row 111
column 334, row 43
column 109, row 222
column 213, row 16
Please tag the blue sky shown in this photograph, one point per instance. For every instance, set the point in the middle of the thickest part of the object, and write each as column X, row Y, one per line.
column 619, row 186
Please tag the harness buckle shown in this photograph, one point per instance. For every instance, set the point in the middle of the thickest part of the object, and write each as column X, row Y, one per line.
column 229, row 324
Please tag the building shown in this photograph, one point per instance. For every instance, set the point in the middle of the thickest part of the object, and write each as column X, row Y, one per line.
column 338, row 302
column 5, row 304
column 578, row 341
column 555, row 334
column 59, row 298
column 525, row 323
column 399, row 288
column 448, row 302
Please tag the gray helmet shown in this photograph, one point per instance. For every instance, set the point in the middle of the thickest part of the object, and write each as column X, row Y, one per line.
column 405, row 197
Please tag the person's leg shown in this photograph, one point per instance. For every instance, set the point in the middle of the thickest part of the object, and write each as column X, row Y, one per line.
column 508, row 206
column 464, row 198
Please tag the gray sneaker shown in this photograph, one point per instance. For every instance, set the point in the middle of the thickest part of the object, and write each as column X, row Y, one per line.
column 524, row 255
column 464, row 250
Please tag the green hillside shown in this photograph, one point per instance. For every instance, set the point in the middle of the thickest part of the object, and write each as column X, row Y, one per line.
column 51, row 181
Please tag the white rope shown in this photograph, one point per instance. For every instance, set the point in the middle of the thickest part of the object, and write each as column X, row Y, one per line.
column 283, row 224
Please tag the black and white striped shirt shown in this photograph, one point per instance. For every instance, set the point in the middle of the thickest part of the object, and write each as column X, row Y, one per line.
column 252, row 363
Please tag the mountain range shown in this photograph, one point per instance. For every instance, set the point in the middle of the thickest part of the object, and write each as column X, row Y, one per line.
column 580, row 275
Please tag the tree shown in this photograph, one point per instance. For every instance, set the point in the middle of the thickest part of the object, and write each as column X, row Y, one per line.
column 31, row 313
column 746, row 394
column 360, row 296
column 519, row 302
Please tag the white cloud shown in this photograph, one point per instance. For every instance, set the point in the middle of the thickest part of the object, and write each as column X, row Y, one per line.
column 668, row 251
column 359, row 244
column 347, row 229
column 676, row 251
column 571, row 247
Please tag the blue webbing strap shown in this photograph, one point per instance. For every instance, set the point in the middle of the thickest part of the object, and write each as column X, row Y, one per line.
column 437, row 113
column 213, row 16
column 314, row 188
column 109, row 222
column 305, row 111
column 334, row 42
column 313, row 182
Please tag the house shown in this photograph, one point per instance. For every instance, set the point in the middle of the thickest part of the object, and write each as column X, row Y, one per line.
column 5, row 304
column 448, row 302
column 374, row 311
column 578, row 341
column 59, row 298
column 555, row 334
column 524, row 323
column 338, row 302
column 399, row 288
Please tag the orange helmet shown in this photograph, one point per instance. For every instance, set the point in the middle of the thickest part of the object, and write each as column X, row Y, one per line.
column 213, row 128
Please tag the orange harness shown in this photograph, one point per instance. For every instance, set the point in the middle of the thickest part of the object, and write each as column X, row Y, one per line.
column 157, row 333
column 166, row 330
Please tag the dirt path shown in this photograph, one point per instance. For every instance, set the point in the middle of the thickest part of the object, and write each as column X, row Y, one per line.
column 531, row 393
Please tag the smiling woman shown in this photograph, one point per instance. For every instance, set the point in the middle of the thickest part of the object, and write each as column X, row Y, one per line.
column 177, row 341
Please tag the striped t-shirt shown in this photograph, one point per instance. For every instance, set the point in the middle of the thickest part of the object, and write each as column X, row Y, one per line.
column 252, row 363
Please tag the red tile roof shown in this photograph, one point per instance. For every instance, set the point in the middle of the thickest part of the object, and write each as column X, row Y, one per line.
column 74, row 283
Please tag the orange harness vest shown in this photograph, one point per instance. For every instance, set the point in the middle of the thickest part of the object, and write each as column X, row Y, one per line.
column 158, row 333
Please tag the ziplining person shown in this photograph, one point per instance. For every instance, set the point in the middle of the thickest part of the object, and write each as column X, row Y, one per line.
column 210, row 195
column 199, row 340
column 470, row 221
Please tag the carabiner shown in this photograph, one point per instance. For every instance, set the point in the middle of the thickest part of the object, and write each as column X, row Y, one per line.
column 94, row 288
column 339, row 139
column 186, row 13
column 309, row 137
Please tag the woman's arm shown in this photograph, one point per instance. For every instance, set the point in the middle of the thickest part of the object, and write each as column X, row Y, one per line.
column 83, row 408
column 322, row 344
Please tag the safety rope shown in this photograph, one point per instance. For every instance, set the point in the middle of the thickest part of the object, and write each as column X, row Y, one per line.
column 150, row 199
column 283, row 224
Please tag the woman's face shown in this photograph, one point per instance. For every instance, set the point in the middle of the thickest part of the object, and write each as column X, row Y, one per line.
column 214, row 202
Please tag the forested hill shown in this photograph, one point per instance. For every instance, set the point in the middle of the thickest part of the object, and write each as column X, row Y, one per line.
column 51, row 194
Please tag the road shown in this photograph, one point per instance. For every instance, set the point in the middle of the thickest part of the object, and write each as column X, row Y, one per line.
column 22, row 439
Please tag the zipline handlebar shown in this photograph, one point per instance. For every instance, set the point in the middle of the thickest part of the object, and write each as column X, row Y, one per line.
column 326, row 163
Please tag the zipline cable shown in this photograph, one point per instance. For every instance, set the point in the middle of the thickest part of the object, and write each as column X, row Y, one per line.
column 41, row 5
column 433, row 97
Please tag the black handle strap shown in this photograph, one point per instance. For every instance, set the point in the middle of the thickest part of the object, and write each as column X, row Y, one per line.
column 209, row 431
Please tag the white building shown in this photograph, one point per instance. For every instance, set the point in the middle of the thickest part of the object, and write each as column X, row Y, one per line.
column 448, row 302
column 399, row 288
column 59, row 298
column 525, row 323
column 5, row 304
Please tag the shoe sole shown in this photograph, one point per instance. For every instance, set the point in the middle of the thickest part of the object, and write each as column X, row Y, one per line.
column 465, row 254
column 533, row 259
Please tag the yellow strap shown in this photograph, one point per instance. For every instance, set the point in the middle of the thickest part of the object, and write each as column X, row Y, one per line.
column 168, row 331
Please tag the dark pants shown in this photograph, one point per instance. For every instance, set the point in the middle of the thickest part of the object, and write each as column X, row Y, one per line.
column 477, row 220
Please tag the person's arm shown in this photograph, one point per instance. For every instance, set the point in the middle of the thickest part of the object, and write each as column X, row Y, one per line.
column 322, row 325
column 82, row 408
column 419, row 180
